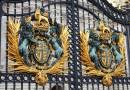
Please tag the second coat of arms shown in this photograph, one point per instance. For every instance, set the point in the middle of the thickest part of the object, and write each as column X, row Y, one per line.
column 103, row 53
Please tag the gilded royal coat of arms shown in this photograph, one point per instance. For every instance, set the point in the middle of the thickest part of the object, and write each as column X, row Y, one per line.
column 37, row 45
column 103, row 53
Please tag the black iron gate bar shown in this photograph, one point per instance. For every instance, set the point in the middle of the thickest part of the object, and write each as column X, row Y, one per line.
column 76, row 5
column 103, row 5
column 75, row 70
column 19, row 77
column 113, row 13
column 0, row 24
column 55, row 3
column 117, row 16
column 26, row 78
column 72, row 17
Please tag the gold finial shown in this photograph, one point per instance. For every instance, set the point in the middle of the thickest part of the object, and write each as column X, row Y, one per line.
column 39, row 17
column 37, row 14
column 101, row 25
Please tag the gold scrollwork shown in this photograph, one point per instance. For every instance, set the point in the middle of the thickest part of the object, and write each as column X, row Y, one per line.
column 91, row 69
column 14, row 55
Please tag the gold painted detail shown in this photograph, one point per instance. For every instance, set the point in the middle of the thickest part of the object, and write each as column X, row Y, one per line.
column 14, row 55
column 42, row 22
column 91, row 69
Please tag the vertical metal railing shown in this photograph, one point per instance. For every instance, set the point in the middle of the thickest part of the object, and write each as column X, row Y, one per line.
column 1, row 13
column 75, row 68
column 128, row 40
column 74, row 65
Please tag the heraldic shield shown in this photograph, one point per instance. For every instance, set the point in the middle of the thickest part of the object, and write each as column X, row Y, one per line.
column 37, row 45
column 103, row 53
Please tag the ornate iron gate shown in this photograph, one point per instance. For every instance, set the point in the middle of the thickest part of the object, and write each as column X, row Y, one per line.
column 78, row 15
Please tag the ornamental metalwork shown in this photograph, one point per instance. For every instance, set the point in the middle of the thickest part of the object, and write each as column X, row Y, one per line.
column 103, row 53
column 37, row 45
column 78, row 73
